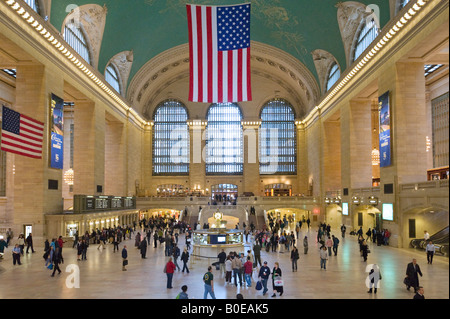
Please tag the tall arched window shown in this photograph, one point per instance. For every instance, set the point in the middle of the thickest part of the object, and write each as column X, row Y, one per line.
column 277, row 139
column 34, row 4
column 75, row 38
column 333, row 75
column 368, row 33
column 224, row 140
column 170, row 139
column 112, row 77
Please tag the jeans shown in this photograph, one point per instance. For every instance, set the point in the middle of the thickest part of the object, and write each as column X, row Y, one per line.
column 185, row 267
column 208, row 290
column 294, row 264
column 264, row 283
column 169, row 280
column 329, row 251
column 237, row 272
column 335, row 249
column 323, row 263
column 248, row 279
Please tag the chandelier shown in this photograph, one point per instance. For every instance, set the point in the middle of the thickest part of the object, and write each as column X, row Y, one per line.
column 375, row 157
column 68, row 176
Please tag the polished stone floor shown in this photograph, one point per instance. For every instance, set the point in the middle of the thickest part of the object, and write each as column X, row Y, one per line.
column 101, row 276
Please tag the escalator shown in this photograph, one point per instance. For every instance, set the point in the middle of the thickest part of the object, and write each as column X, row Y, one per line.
column 439, row 239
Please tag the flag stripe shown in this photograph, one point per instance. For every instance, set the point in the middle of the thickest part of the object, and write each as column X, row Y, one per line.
column 23, row 153
column 210, row 53
column 191, row 63
column 199, row 52
column 6, row 142
column 19, row 139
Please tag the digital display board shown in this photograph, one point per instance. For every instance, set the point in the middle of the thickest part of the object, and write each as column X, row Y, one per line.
column 388, row 211
column 89, row 203
column 344, row 208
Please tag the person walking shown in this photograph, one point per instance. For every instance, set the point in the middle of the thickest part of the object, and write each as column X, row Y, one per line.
column 257, row 252
column 236, row 265
column 343, row 230
column 16, row 254
column 329, row 244
column 116, row 242
column 176, row 254
column 248, row 270
column 228, row 270
column 124, row 258
column 84, row 247
column 264, row 273
column 335, row 244
column 143, row 248
column 413, row 272
column 430, row 249
column 222, row 257
column 294, row 257
column 21, row 242
column 374, row 277
column 57, row 259
column 30, row 243
column 169, row 270
column 364, row 249
column 49, row 259
column 185, row 259
column 208, row 279
column 277, row 282
column 323, row 257
column 305, row 245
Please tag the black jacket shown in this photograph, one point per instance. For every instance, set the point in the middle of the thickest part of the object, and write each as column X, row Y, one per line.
column 411, row 273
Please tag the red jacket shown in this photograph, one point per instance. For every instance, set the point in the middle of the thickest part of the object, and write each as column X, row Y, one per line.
column 170, row 268
column 248, row 267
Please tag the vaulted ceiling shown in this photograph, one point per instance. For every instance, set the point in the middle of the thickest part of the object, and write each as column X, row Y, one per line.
column 150, row 27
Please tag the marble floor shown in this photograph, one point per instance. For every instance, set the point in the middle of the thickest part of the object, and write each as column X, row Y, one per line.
column 101, row 276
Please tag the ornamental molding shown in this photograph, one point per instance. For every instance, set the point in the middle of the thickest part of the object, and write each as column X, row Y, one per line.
column 323, row 60
column 91, row 18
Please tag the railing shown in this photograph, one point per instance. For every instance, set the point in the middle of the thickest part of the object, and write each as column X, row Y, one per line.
column 442, row 183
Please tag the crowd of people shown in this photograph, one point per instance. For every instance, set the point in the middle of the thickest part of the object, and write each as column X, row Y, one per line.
column 237, row 268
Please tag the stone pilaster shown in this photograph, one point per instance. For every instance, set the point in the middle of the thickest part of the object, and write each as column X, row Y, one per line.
column 197, row 166
column 32, row 196
column 251, row 157
column 89, row 148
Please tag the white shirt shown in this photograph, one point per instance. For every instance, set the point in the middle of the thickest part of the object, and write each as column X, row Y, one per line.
column 426, row 236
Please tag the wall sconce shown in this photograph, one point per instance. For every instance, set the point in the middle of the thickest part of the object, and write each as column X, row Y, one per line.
column 373, row 200
column 356, row 200
column 327, row 200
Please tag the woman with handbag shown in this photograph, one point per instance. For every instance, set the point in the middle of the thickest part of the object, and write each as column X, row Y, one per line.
column 277, row 281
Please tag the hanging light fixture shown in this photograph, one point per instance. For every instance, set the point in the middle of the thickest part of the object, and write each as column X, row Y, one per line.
column 68, row 177
column 375, row 157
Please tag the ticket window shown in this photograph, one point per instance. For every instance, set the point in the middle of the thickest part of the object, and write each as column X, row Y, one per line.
column 71, row 230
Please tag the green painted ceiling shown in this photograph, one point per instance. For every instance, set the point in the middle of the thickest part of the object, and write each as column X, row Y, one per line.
column 149, row 27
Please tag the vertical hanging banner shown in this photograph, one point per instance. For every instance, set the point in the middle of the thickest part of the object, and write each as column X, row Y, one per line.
column 385, row 129
column 57, row 132
column 219, row 51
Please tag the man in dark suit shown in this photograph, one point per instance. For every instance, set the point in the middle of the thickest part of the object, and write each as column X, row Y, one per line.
column 413, row 272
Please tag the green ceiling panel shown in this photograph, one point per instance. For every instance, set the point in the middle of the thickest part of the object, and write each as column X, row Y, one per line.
column 150, row 27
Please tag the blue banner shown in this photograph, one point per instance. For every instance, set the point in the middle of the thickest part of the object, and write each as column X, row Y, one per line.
column 385, row 130
column 57, row 132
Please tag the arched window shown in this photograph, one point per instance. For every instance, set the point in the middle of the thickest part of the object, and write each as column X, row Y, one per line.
column 112, row 77
column 333, row 76
column 224, row 140
column 34, row 4
column 367, row 34
column 75, row 38
column 170, row 139
column 277, row 139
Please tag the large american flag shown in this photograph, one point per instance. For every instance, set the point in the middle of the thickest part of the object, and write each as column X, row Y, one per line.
column 21, row 134
column 219, row 50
